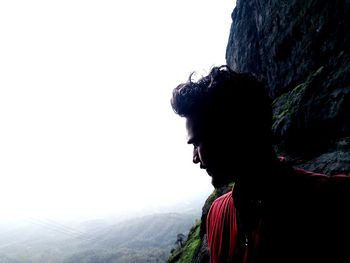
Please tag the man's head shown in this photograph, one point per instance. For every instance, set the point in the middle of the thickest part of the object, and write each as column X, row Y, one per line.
column 228, row 120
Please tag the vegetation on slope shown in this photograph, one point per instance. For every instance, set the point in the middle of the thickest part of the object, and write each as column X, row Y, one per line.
column 147, row 239
column 187, row 252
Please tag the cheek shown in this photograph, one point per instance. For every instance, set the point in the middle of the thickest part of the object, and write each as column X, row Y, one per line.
column 216, row 155
column 202, row 154
column 207, row 154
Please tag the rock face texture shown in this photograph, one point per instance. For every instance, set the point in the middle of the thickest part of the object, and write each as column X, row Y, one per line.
column 301, row 49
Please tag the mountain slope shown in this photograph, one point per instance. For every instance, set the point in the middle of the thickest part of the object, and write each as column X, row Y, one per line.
column 143, row 239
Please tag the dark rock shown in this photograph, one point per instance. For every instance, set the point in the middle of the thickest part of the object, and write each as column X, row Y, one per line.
column 284, row 40
column 336, row 161
column 203, row 252
column 301, row 49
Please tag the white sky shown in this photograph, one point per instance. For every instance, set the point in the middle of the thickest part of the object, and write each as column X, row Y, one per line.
column 86, row 125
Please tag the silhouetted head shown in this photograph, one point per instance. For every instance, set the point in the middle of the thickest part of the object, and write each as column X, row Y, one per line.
column 228, row 119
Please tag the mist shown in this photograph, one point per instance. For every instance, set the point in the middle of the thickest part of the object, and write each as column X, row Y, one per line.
column 86, row 125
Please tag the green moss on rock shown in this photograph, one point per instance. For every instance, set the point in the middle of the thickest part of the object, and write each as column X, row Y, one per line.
column 288, row 103
column 188, row 251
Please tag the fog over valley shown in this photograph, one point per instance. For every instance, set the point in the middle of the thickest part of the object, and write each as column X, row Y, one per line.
column 93, row 160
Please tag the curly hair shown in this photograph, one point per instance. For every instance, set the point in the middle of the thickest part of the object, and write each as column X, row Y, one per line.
column 225, row 95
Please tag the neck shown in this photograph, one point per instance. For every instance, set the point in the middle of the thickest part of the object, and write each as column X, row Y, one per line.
column 253, row 182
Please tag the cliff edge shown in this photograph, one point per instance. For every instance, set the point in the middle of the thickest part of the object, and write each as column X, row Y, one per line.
column 301, row 50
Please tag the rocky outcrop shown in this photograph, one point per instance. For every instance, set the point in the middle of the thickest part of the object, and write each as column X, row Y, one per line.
column 301, row 49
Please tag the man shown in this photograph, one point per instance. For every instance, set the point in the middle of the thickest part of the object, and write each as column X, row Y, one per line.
column 275, row 213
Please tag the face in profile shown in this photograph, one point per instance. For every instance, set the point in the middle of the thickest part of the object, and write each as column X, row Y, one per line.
column 211, row 151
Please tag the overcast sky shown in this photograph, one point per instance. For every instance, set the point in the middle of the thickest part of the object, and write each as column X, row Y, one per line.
column 86, row 125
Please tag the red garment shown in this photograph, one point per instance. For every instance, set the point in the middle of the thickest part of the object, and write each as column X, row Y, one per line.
column 222, row 229
column 303, row 217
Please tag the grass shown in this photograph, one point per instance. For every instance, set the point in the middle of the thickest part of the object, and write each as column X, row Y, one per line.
column 188, row 251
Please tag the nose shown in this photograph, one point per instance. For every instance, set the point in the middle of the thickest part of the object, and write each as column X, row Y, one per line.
column 195, row 156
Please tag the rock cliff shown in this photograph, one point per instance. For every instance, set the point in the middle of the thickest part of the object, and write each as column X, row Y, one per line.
column 300, row 48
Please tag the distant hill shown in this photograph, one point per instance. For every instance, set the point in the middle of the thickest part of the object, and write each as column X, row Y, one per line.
column 143, row 239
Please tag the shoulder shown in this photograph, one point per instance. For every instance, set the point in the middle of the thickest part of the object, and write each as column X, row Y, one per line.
column 221, row 217
column 221, row 205
column 304, row 172
column 303, row 186
column 325, row 211
column 323, row 180
column 225, row 200
column 293, row 183
column 221, row 228
column 285, row 167
column 307, row 177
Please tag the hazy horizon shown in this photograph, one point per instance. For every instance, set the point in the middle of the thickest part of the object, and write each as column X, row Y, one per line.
column 86, row 124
